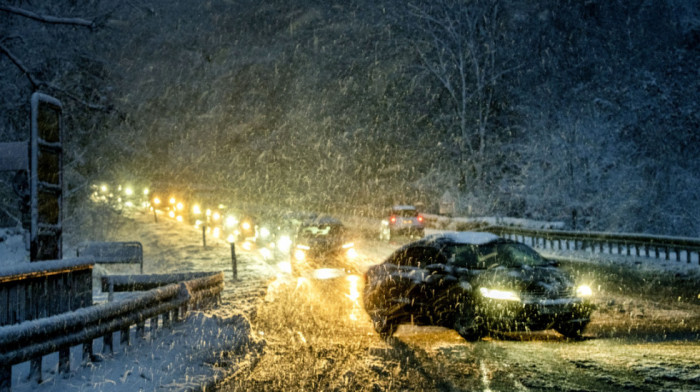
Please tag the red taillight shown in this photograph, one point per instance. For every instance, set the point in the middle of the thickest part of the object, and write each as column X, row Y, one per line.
column 393, row 219
column 420, row 218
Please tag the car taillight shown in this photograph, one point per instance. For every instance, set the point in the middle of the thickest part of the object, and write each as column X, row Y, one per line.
column 420, row 218
column 393, row 219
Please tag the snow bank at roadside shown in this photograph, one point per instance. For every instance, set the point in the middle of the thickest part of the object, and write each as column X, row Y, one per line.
column 187, row 356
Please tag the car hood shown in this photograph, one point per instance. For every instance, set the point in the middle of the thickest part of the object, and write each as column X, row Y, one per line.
column 548, row 282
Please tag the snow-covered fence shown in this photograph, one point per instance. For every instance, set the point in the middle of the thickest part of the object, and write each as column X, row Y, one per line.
column 41, row 289
column 31, row 340
column 682, row 249
column 130, row 252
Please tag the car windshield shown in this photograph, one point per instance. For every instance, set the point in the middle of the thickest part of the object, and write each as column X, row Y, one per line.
column 511, row 255
column 319, row 231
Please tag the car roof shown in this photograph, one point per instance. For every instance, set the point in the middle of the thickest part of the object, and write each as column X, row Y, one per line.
column 403, row 207
column 462, row 237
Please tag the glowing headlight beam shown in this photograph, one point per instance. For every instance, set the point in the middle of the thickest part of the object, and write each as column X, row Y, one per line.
column 499, row 294
column 584, row 290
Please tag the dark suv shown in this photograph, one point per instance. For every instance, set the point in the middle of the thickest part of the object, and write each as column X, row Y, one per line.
column 474, row 283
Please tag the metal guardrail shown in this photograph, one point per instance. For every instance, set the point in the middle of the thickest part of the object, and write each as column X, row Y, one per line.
column 129, row 252
column 42, row 289
column 682, row 249
column 29, row 341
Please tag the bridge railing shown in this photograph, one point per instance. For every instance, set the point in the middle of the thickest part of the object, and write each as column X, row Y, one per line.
column 30, row 340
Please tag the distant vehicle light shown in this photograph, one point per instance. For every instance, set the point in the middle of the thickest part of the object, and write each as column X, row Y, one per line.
column 266, row 254
column 208, row 212
column 196, row 209
column 145, row 191
column 172, row 200
column 216, row 216
column 393, row 219
column 245, row 225
column 230, row 221
column 179, row 206
column 351, row 253
column 104, row 188
column 264, row 232
column 420, row 218
column 156, row 201
column 179, row 218
column 499, row 294
column 217, row 232
column 328, row 273
column 128, row 191
column 299, row 254
column 348, row 245
column 247, row 245
column 284, row 243
column 171, row 214
column 285, row 267
column 584, row 290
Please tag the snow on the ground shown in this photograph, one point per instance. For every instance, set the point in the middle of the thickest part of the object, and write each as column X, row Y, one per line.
column 208, row 345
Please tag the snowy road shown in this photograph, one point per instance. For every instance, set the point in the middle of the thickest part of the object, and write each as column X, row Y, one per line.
column 318, row 337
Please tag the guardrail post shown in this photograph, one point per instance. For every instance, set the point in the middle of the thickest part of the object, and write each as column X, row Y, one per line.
column 166, row 319
column 124, row 337
column 88, row 355
column 5, row 378
column 64, row 360
column 154, row 324
column 108, row 343
column 35, row 369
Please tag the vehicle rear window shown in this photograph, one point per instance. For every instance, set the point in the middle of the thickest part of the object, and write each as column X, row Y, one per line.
column 405, row 213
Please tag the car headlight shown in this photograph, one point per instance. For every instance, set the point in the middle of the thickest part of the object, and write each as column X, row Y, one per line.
column 299, row 254
column 584, row 290
column 499, row 294
column 284, row 243
column 231, row 221
column 264, row 232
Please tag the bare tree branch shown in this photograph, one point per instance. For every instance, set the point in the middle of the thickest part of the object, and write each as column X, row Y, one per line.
column 35, row 83
column 47, row 18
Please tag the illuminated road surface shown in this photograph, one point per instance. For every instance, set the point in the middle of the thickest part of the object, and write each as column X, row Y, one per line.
column 319, row 338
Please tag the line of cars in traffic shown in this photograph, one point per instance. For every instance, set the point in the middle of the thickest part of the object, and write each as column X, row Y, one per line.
column 473, row 282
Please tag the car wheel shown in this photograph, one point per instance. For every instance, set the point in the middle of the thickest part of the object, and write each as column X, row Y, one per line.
column 572, row 330
column 470, row 328
column 384, row 327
